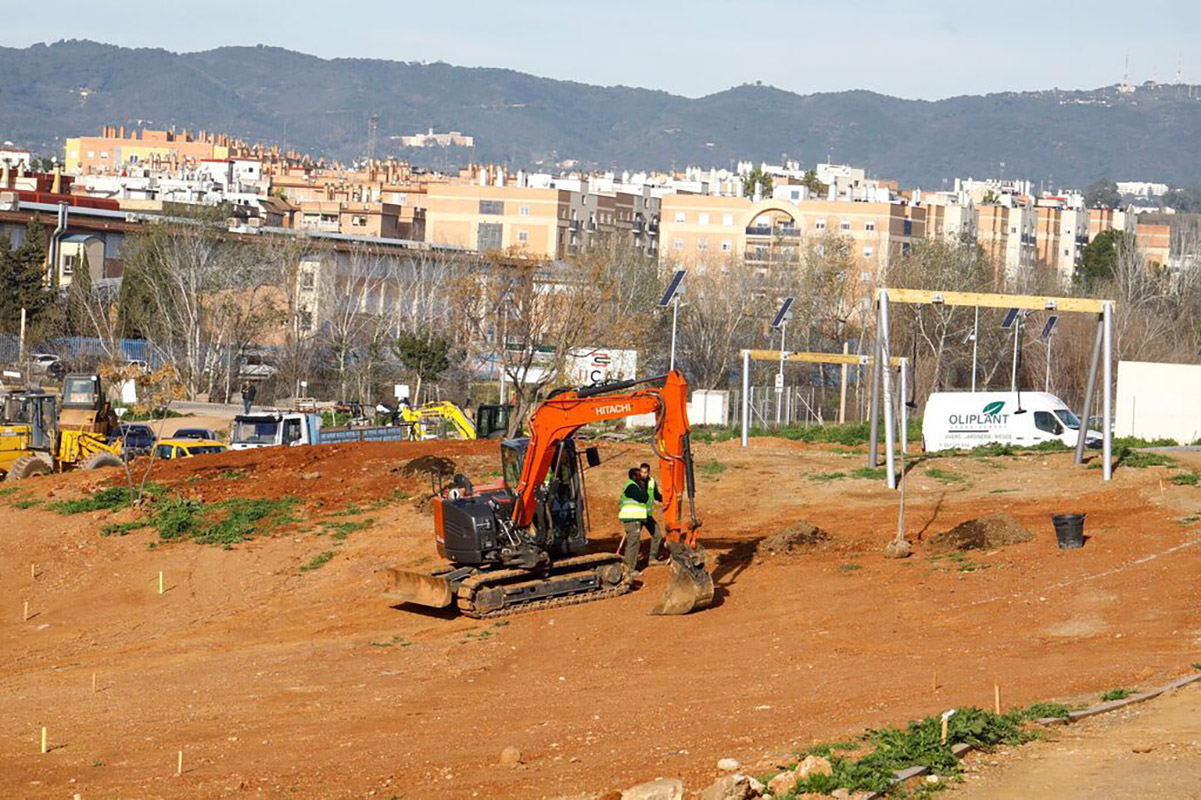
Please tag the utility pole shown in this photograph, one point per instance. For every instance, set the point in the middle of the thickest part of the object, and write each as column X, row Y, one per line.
column 975, row 346
column 781, row 323
column 672, row 297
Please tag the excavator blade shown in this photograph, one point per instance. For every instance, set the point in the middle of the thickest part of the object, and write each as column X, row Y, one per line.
column 690, row 587
column 419, row 588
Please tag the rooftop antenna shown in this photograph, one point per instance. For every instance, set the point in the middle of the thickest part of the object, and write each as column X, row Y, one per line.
column 1125, row 86
column 1180, row 69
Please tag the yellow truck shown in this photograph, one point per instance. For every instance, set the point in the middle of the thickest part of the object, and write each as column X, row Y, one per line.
column 42, row 433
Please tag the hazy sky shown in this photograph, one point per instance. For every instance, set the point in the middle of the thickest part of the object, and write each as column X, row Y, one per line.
column 915, row 49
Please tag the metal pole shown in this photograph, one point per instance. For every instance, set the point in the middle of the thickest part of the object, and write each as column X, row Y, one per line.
column 1017, row 334
column 675, row 316
column 1107, row 393
column 842, row 387
column 746, row 394
column 21, row 345
column 873, row 448
column 1090, row 390
column 890, row 434
column 975, row 346
column 1047, row 379
column 904, row 394
column 780, row 374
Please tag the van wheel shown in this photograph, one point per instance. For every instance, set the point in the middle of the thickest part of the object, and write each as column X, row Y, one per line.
column 98, row 460
column 30, row 466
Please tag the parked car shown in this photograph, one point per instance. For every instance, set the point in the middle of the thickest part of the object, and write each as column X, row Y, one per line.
column 48, row 364
column 194, row 433
column 136, row 440
column 186, row 448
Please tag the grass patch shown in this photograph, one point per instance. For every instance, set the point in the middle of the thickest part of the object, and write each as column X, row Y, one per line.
column 226, row 523
column 233, row 474
column 1116, row 694
column 26, row 502
column 108, row 499
column 8, row 491
column 826, row 477
column 849, row 569
column 870, row 473
column 991, row 464
column 340, row 530
column 1189, row 520
column 395, row 641
column 122, row 528
column 712, row 469
column 1134, row 441
column 1002, row 491
column 944, row 476
column 1136, row 459
column 318, row 561
column 1196, row 666
column 349, row 511
column 1189, row 478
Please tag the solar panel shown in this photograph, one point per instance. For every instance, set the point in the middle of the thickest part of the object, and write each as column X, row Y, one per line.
column 673, row 288
column 783, row 315
column 1010, row 318
column 1049, row 328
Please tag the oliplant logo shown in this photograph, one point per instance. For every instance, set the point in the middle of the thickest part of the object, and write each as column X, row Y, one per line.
column 990, row 415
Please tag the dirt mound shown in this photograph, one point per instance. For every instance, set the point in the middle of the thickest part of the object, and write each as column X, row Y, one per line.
column 798, row 536
column 984, row 533
column 423, row 465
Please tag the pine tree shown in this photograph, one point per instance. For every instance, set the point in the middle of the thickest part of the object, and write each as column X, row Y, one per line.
column 27, row 285
column 10, row 310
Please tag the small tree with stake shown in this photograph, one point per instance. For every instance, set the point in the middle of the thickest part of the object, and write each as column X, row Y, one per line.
column 427, row 356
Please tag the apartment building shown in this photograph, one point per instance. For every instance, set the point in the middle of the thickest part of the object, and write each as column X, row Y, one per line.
column 1105, row 219
column 949, row 215
column 1008, row 235
column 535, row 222
column 1061, row 233
column 702, row 228
column 113, row 150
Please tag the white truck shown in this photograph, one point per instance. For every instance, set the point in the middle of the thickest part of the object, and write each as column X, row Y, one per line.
column 963, row 420
column 292, row 428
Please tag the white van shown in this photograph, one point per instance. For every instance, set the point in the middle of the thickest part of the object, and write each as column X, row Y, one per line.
column 963, row 420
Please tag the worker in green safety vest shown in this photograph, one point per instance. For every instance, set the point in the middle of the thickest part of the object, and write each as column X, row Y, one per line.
column 634, row 513
column 652, row 497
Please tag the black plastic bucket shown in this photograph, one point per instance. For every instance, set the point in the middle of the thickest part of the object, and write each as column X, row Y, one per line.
column 1069, row 530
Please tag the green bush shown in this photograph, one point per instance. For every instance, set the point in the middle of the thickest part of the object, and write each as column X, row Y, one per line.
column 1137, row 459
column 108, row 499
column 318, row 561
column 1116, row 694
column 1185, row 479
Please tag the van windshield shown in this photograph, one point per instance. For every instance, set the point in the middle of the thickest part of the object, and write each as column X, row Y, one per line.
column 1068, row 418
column 255, row 431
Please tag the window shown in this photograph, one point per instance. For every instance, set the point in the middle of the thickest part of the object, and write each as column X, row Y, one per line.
column 702, row 244
column 868, row 251
column 727, row 246
column 702, row 219
column 1046, row 421
column 358, row 220
column 493, row 207
column 844, row 225
column 304, row 319
column 1013, row 229
column 68, row 265
column 821, row 225
column 163, row 451
column 489, row 236
column 727, row 219
column 523, row 236
column 523, row 211
column 1067, row 252
column 870, row 225
column 679, row 216
column 678, row 244
column 307, row 280
column 91, row 154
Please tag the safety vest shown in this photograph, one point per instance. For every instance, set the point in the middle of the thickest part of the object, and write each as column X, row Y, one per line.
column 650, row 497
column 631, row 509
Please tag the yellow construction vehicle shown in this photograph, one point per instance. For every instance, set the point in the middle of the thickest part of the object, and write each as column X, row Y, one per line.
column 42, row 433
column 433, row 420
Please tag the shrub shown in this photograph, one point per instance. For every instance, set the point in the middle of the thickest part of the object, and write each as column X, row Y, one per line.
column 318, row 561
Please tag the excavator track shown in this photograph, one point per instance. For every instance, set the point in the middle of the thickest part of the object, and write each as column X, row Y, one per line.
column 501, row 586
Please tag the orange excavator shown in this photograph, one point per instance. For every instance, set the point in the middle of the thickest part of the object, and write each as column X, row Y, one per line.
column 521, row 544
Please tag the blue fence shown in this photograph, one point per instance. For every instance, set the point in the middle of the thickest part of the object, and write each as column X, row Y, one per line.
column 73, row 348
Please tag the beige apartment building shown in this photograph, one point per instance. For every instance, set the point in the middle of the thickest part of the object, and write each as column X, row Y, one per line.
column 1008, row 235
column 1060, row 235
column 535, row 222
column 699, row 228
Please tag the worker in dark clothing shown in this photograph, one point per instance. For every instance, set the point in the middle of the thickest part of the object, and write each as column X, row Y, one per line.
column 634, row 516
column 248, row 395
column 652, row 497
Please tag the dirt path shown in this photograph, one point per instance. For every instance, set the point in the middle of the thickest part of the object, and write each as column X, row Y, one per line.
column 302, row 683
column 1152, row 750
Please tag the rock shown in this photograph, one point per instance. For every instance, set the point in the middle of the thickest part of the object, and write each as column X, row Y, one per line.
column 510, row 756
column 931, row 779
column 310, row 476
column 1143, row 748
column 659, row 789
column 783, row 783
column 733, row 787
column 728, row 764
column 814, row 765
column 897, row 548
column 841, row 794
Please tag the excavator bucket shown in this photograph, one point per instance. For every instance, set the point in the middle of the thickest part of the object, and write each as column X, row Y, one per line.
column 419, row 588
column 690, row 587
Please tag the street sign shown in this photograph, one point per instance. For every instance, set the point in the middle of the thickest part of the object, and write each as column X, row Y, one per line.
column 779, row 383
column 783, row 315
column 1010, row 318
column 673, row 288
column 1049, row 328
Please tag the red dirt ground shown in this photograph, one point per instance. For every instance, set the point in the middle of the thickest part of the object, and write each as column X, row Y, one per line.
column 277, row 682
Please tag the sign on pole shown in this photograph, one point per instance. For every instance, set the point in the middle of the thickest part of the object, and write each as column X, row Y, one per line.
column 779, row 383
column 673, row 288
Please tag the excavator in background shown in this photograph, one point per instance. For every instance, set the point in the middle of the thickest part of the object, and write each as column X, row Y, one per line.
column 431, row 420
column 43, row 433
column 522, row 543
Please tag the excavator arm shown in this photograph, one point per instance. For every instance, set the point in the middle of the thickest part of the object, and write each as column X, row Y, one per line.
column 560, row 416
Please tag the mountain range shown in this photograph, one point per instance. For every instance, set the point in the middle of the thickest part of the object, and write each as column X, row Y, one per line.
column 1056, row 138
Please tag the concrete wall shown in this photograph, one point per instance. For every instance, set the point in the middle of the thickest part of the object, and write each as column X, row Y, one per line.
column 1157, row 401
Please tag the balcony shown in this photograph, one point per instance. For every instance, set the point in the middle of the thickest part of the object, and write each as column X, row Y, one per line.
column 573, row 225
column 782, row 232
